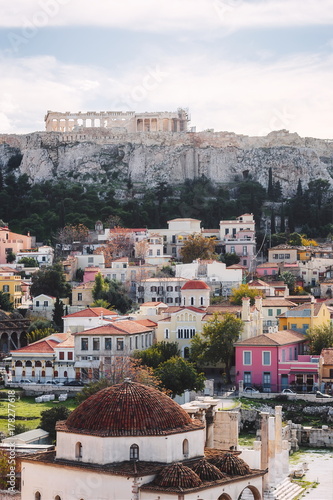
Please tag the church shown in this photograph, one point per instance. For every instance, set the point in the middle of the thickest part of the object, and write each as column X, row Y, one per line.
column 133, row 442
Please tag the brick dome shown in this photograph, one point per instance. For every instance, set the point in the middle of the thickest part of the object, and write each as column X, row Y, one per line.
column 232, row 465
column 207, row 471
column 129, row 409
column 178, row 476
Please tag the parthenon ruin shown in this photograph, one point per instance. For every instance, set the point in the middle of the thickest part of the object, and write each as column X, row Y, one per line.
column 128, row 121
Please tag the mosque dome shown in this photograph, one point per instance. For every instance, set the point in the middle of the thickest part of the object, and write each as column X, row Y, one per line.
column 232, row 465
column 178, row 476
column 130, row 409
column 207, row 471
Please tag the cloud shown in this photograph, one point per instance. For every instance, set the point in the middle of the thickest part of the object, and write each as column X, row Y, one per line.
column 164, row 16
column 251, row 98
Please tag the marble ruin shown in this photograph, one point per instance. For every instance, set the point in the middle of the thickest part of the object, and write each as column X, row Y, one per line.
column 128, row 121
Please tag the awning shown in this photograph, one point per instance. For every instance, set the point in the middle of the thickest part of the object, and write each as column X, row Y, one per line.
column 86, row 364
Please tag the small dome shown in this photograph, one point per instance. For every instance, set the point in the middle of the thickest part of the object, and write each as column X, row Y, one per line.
column 207, row 471
column 195, row 285
column 232, row 465
column 179, row 476
column 129, row 409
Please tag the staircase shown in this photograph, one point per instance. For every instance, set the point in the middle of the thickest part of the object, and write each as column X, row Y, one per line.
column 284, row 491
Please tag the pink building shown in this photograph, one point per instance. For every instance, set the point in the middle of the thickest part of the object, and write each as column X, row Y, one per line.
column 90, row 273
column 275, row 361
column 267, row 269
column 12, row 243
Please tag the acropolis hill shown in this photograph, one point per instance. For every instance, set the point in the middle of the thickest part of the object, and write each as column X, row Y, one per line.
column 149, row 148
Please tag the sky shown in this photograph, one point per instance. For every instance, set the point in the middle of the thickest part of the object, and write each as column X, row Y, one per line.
column 243, row 66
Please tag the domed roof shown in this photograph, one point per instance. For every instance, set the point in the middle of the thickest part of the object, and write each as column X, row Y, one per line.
column 232, row 465
column 195, row 285
column 207, row 471
column 177, row 475
column 129, row 409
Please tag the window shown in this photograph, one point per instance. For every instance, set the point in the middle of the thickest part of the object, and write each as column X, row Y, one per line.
column 166, row 333
column 108, row 343
column 136, row 342
column 266, row 381
column 134, row 452
column 120, row 344
column 90, row 260
column 158, row 251
column 38, row 496
column 122, row 278
column 46, row 303
column 244, row 250
column 48, row 364
column 275, row 256
column 57, row 497
column 78, row 450
column 283, row 355
column 5, row 288
column 232, row 249
column 278, row 312
column 69, row 356
column 153, row 289
column 142, row 341
column 169, row 300
column 266, row 358
column 169, row 288
column 96, row 344
column 192, row 301
column 180, row 333
column 247, row 378
column 61, row 355
column 185, row 448
column 270, row 312
column 150, row 252
column 84, row 344
column 79, row 296
column 287, row 255
column 247, row 358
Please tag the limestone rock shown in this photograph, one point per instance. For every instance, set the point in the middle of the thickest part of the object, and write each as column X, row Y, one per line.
column 101, row 156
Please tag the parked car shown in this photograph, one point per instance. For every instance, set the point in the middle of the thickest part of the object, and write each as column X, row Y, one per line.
column 250, row 390
column 321, row 395
column 26, row 381
column 75, row 383
column 53, row 382
column 288, row 391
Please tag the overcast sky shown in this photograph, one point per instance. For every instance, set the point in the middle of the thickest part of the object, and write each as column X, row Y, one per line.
column 248, row 67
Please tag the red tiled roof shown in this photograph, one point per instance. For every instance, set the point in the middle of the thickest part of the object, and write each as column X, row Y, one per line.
column 146, row 322
column 277, row 338
column 41, row 346
column 91, row 312
column 195, row 285
column 123, row 327
column 145, row 411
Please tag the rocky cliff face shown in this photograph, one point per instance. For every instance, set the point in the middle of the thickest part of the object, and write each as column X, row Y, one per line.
column 94, row 155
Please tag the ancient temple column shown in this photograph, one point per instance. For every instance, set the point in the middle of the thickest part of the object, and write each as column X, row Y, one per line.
column 271, row 451
column 285, row 456
column 278, row 443
column 264, row 446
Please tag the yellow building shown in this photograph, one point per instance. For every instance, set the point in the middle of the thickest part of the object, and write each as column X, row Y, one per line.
column 12, row 286
column 304, row 316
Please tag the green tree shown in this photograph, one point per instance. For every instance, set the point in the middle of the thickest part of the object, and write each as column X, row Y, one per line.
column 229, row 258
column 58, row 313
column 39, row 334
column 320, row 337
column 101, row 303
column 118, row 297
column 197, row 247
column 216, row 343
column 270, row 189
column 49, row 418
column 100, row 287
column 5, row 303
column 295, row 239
column 273, row 226
column 290, row 280
column 244, row 291
column 39, row 324
column 10, row 257
column 177, row 375
column 158, row 353
column 28, row 262
column 50, row 281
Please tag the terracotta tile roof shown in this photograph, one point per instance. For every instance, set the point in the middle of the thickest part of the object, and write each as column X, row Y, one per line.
column 148, row 304
column 146, row 322
column 267, row 264
column 277, row 302
column 121, row 259
column 123, row 327
column 91, row 312
column 236, row 266
column 195, row 285
column 145, row 411
column 207, row 471
column 303, row 307
column 69, row 342
column 175, row 309
column 232, row 465
column 41, row 346
column 281, row 337
column 177, row 475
